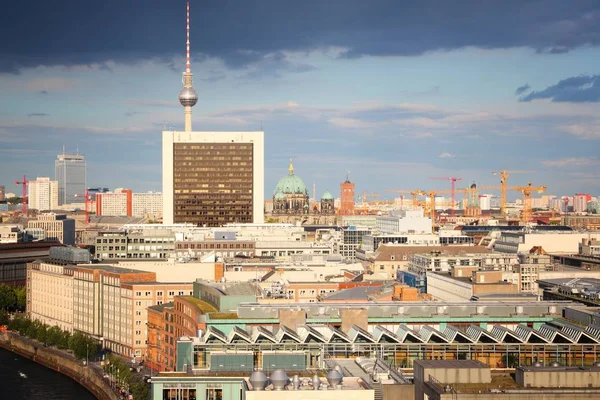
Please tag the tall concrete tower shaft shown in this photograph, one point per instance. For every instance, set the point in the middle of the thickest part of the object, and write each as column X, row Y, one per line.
column 188, row 96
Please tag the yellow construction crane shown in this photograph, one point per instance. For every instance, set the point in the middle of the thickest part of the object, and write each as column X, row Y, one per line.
column 413, row 193
column 365, row 198
column 527, row 190
column 504, row 175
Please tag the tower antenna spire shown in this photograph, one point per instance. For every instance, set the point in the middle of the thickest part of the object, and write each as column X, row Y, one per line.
column 187, row 44
column 188, row 96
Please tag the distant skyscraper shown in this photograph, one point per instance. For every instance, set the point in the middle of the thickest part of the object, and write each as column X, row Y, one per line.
column 2, row 191
column 70, row 172
column 211, row 178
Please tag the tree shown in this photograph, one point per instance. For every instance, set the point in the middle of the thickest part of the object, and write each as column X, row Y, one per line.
column 8, row 299
column 14, row 200
column 21, row 295
column 140, row 391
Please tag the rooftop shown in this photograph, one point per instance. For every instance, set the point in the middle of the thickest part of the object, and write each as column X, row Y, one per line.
column 203, row 306
column 451, row 364
column 161, row 307
column 111, row 269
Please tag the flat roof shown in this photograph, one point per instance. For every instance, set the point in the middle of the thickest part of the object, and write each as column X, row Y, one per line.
column 451, row 364
column 111, row 268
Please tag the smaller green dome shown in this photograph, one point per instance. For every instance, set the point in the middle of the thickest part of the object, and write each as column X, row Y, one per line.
column 327, row 196
column 279, row 196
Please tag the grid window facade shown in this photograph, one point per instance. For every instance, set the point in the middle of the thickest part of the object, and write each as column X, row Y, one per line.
column 213, row 183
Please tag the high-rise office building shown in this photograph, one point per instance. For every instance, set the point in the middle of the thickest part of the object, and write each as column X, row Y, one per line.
column 70, row 172
column 211, row 178
column 42, row 194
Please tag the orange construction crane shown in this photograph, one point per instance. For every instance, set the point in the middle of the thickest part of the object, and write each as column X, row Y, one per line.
column 504, row 175
column 413, row 193
column 24, row 182
column 365, row 198
column 453, row 180
column 431, row 208
column 527, row 190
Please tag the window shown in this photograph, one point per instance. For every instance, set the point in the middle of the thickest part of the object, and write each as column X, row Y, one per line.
column 138, row 293
column 159, row 293
column 214, row 394
column 171, row 293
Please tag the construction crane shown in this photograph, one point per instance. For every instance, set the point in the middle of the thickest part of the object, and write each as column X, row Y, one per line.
column 453, row 180
column 365, row 198
column 413, row 193
column 87, row 199
column 504, row 175
column 431, row 194
column 24, row 182
column 527, row 190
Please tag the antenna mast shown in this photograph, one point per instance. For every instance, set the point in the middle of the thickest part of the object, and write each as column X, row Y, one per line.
column 187, row 47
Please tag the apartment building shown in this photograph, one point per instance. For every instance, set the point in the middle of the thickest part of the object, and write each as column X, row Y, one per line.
column 529, row 268
column 184, row 316
column 221, row 248
column 559, row 241
column 118, row 203
column 10, row 234
column 106, row 302
column 352, row 239
column 124, row 202
column 391, row 259
column 144, row 204
column 403, row 221
column 43, row 194
column 126, row 332
column 50, row 293
column 57, row 227
column 135, row 244
column 446, row 286
column 444, row 261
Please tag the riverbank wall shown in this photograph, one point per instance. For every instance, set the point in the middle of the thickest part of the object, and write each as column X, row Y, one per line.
column 90, row 377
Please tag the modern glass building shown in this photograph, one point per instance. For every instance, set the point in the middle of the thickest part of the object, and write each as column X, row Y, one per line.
column 70, row 172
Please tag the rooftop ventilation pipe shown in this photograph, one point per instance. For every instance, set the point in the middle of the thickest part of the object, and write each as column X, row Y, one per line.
column 279, row 379
column 334, row 378
column 258, row 380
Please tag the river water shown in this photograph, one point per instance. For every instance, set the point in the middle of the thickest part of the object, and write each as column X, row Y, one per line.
column 23, row 379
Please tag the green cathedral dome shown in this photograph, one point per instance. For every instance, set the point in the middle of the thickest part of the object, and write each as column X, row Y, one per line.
column 327, row 196
column 290, row 184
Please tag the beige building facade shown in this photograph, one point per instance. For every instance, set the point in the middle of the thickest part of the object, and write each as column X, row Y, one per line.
column 57, row 227
column 50, row 294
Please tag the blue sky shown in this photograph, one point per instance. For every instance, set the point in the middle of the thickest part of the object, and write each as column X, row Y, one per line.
column 394, row 92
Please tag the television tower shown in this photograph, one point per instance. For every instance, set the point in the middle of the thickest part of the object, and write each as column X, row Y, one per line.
column 188, row 96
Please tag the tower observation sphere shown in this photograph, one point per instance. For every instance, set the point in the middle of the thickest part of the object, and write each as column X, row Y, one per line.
column 188, row 97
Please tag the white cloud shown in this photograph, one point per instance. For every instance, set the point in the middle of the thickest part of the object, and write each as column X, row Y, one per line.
column 584, row 131
column 572, row 162
column 446, row 155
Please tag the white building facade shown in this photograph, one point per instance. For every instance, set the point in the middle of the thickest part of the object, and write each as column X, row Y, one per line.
column 43, row 194
column 150, row 203
column 404, row 221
